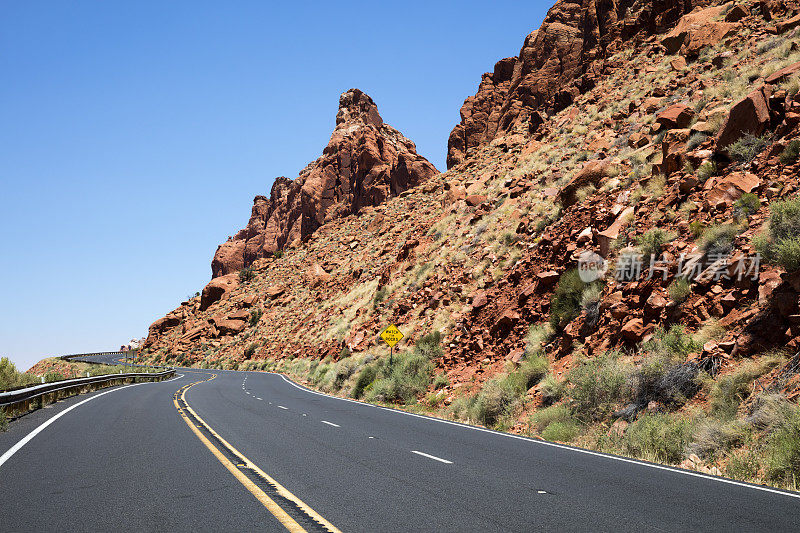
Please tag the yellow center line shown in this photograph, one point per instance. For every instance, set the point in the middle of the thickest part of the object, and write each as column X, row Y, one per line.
column 260, row 495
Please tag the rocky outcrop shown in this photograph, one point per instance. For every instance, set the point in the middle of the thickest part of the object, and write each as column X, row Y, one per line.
column 365, row 162
column 559, row 61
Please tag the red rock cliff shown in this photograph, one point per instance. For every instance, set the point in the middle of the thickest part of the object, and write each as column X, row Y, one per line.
column 556, row 63
column 366, row 162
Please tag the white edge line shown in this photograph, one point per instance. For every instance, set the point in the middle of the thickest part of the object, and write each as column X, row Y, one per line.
column 14, row 449
column 330, row 423
column 553, row 444
column 429, row 456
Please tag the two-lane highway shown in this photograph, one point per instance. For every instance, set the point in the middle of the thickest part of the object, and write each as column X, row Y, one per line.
column 246, row 451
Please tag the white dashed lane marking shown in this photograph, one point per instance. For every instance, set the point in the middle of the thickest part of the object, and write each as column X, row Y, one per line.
column 331, row 424
column 445, row 461
column 282, row 407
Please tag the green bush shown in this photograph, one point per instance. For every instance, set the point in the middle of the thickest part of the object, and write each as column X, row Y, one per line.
column 743, row 466
column 566, row 302
column 713, row 436
column 404, row 380
column 50, row 377
column 246, row 274
column 10, row 377
column 658, row 437
column 380, row 296
column 555, row 413
column 706, row 170
column 255, row 316
column 551, row 389
column 277, row 254
column 748, row 147
column 729, row 391
column 780, row 241
column 561, row 432
column 365, row 378
column 597, row 386
column 530, row 372
column 440, row 381
column 718, row 239
column 650, row 242
column 673, row 343
column 791, row 152
column 430, row 345
column 697, row 228
column 746, row 205
column 496, row 400
column 695, row 140
column 250, row 351
column 783, row 450
column 679, row 290
column 3, row 420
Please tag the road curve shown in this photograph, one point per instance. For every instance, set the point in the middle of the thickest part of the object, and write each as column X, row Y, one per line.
column 131, row 459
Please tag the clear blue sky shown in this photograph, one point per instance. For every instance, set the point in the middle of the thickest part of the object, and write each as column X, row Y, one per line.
column 134, row 135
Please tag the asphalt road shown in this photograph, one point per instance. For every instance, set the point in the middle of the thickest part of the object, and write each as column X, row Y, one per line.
column 129, row 459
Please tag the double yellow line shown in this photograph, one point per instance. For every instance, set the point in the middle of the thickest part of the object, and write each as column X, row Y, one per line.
column 276, row 510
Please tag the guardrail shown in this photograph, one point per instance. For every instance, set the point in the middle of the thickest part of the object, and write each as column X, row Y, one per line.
column 18, row 402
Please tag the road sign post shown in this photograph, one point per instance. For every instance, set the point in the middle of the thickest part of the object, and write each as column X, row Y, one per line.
column 391, row 336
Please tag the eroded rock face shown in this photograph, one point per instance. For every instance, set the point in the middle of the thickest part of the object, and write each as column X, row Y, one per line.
column 366, row 162
column 556, row 64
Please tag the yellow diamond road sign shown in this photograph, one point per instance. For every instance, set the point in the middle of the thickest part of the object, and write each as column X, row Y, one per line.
column 391, row 335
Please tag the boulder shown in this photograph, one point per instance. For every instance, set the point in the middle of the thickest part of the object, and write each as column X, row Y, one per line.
column 475, row 199
column 676, row 116
column 782, row 74
column 479, row 299
column 724, row 190
column 592, row 173
column 698, row 30
column 634, row 330
column 609, row 235
column 317, row 275
column 218, row 288
column 749, row 115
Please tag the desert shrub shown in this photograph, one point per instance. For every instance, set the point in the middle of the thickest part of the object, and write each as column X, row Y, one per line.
column 530, row 372
column 650, row 242
column 538, row 336
column 496, row 400
column 663, row 380
column 746, row 205
column 561, row 431
column 566, row 302
column 729, row 391
column 250, row 351
column 697, row 228
column 551, row 389
column 696, row 140
column 3, row 420
column 10, row 377
column 768, row 411
column 340, row 372
column 679, row 290
column 50, row 377
column 743, row 466
column 440, row 381
column 255, row 316
column 791, row 152
column 246, row 274
column 380, row 296
column 780, row 241
column 277, row 254
column 747, row 148
column 706, row 170
column 404, row 380
column 714, row 436
column 658, row 437
column 590, row 302
column 585, row 192
column 673, row 343
column 555, row 413
column 783, row 450
column 364, row 379
column 429, row 345
column 597, row 385
column 718, row 239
